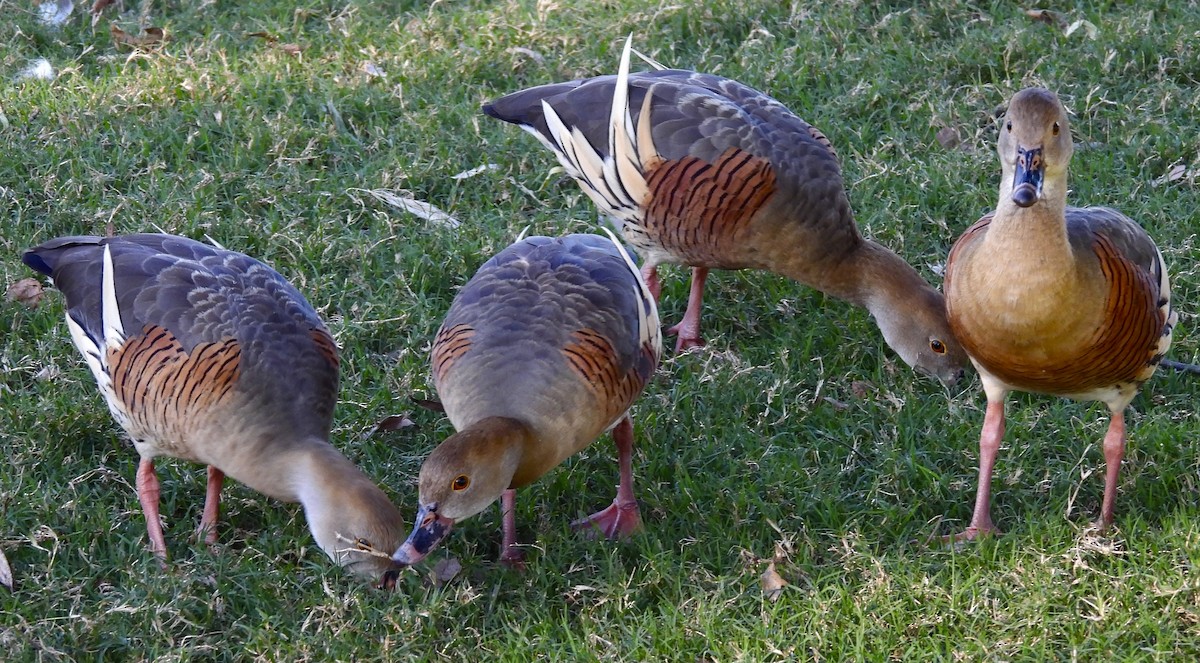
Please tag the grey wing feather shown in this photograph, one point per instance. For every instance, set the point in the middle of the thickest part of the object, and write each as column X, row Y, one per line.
column 537, row 291
column 198, row 292
column 694, row 114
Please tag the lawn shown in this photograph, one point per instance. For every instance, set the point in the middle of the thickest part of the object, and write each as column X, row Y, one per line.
column 796, row 435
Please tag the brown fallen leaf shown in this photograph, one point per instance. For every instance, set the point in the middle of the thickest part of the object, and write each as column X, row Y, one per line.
column 1048, row 17
column 445, row 570
column 390, row 423
column 273, row 42
column 28, row 291
column 948, row 138
column 772, row 582
column 861, row 388
column 150, row 36
column 291, row 49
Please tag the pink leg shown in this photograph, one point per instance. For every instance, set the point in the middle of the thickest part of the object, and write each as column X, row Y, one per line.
column 212, row 506
column 650, row 276
column 510, row 555
column 989, row 444
column 1114, row 452
column 149, row 492
column 688, row 329
column 622, row 517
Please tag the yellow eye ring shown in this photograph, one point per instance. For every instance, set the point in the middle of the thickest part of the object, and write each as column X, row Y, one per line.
column 460, row 482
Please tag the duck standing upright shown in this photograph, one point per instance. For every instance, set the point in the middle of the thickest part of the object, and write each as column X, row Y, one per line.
column 544, row 349
column 701, row 170
column 209, row 355
column 1052, row 299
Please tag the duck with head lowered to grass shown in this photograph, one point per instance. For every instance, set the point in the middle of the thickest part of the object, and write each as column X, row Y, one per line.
column 701, row 170
column 543, row 350
column 211, row 356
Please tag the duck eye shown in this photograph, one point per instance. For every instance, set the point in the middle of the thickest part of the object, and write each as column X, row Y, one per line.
column 460, row 482
column 1055, row 129
column 937, row 346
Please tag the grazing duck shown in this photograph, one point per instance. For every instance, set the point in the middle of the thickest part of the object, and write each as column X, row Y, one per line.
column 544, row 349
column 701, row 170
column 211, row 356
column 1052, row 299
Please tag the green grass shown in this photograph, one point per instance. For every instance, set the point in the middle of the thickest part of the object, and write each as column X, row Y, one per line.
column 761, row 443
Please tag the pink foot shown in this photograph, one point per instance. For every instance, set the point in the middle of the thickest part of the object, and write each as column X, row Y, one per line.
column 149, row 491
column 688, row 339
column 971, row 533
column 513, row 558
column 688, row 329
column 617, row 521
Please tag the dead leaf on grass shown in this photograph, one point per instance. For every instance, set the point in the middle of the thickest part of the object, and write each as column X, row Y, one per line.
column 28, row 291
column 1051, row 18
column 861, row 388
column 772, row 582
column 97, row 7
column 1177, row 172
column 291, row 49
column 445, row 570
column 413, row 206
column 1089, row 29
column 948, row 138
column 273, row 42
column 372, row 70
column 150, row 36
column 466, row 174
column 390, row 423
column 528, row 52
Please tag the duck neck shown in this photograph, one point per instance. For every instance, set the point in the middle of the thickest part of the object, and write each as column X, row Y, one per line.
column 334, row 491
column 875, row 278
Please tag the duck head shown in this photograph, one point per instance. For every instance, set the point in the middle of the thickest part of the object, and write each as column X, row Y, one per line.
column 1034, row 147
column 463, row 475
